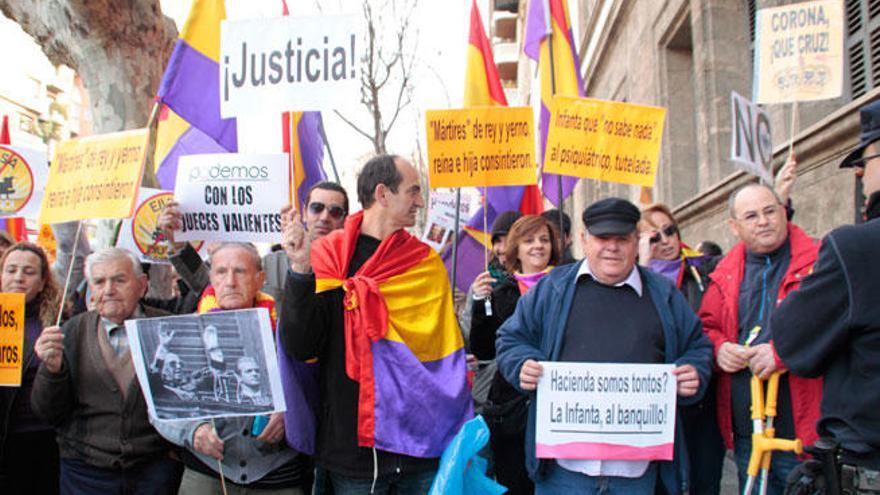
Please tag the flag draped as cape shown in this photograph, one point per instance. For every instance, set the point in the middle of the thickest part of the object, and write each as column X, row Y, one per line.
column 402, row 341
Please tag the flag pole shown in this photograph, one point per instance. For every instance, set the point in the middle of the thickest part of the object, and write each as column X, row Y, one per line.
column 561, row 207
column 455, row 239
column 327, row 145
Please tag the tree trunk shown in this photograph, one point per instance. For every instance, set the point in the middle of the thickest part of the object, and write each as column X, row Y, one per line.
column 118, row 47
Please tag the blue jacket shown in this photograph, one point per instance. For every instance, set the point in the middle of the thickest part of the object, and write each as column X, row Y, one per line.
column 536, row 330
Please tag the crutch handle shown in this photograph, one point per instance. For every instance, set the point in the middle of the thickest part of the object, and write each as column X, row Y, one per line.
column 772, row 394
column 762, row 447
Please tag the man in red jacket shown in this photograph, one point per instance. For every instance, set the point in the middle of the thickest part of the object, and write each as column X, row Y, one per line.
column 756, row 275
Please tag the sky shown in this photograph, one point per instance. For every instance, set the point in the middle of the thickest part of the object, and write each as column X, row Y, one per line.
column 440, row 42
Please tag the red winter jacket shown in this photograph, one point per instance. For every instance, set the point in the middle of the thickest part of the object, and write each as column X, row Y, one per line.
column 719, row 312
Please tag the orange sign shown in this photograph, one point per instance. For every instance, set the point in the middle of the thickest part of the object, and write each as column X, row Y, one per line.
column 11, row 338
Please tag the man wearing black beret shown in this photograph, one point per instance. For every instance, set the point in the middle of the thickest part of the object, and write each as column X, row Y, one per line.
column 605, row 309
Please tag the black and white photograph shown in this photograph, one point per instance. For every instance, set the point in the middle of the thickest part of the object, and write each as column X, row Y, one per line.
column 205, row 366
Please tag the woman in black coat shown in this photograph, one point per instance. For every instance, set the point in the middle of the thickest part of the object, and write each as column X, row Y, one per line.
column 531, row 250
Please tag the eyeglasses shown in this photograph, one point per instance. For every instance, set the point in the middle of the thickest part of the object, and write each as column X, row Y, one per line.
column 860, row 163
column 668, row 231
column 752, row 217
column 335, row 211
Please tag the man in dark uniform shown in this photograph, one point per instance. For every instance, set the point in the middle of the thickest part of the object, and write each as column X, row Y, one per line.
column 831, row 328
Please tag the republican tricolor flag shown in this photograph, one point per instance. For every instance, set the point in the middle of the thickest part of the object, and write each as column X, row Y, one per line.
column 548, row 23
column 482, row 87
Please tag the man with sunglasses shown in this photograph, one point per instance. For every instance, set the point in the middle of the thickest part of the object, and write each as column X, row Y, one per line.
column 768, row 263
column 830, row 327
column 326, row 209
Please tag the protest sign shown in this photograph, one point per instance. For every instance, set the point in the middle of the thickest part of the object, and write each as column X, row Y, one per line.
column 94, row 177
column 288, row 63
column 751, row 146
column 205, row 366
column 604, row 140
column 11, row 338
column 23, row 175
column 483, row 146
column 140, row 233
column 799, row 52
column 232, row 197
column 606, row 411
column 441, row 218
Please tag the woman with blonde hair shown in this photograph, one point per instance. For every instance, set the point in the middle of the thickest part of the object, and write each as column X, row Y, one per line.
column 28, row 451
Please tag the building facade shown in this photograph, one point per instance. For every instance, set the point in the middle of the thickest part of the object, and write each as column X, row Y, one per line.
column 687, row 56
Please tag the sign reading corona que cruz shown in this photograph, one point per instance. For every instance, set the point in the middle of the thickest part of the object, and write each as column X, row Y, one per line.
column 481, row 146
column 95, row 177
column 799, row 52
column 11, row 338
column 604, row 140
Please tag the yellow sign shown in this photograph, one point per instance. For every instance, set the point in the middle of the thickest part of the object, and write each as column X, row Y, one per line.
column 94, row 177
column 799, row 52
column 11, row 338
column 481, row 146
column 16, row 181
column 604, row 140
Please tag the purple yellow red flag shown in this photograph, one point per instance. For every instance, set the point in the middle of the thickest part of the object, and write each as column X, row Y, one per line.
column 402, row 340
column 482, row 87
column 189, row 95
column 547, row 22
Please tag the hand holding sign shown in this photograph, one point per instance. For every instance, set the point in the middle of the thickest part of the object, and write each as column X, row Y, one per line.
column 206, row 441
column 687, row 379
column 785, row 179
column 295, row 240
column 50, row 348
column 529, row 375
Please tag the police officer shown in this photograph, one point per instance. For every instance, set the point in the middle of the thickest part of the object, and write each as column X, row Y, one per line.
column 831, row 328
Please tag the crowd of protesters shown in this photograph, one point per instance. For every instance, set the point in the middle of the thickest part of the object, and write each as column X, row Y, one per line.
column 367, row 310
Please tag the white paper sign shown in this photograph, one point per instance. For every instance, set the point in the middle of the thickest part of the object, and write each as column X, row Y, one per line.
column 232, row 197
column 207, row 366
column 751, row 143
column 140, row 234
column 289, row 63
column 441, row 219
column 606, row 411
column 23, row 174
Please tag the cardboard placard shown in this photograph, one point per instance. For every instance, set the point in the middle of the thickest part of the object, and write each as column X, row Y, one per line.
column 232, row 197
column 481, row 146
column 94, row 177
column 289, row 63
column 604, row 140
column 606, row 411
column 11, row 338
column 799, row 52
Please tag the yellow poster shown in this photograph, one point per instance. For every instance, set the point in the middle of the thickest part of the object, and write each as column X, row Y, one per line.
column 604, row 140
column 94, row 177
column 799, row 52
column 11, row 339
column 481, row 146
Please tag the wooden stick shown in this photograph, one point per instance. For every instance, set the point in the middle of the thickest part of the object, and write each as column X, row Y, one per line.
column 793, row 126
column 485, row 222
column 219, row 463
column 69, row 274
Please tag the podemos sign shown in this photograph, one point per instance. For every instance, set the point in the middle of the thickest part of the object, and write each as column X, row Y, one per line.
column 232, row 197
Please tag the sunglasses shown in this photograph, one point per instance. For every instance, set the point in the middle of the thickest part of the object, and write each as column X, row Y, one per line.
column 668, row 231
column 335, row 211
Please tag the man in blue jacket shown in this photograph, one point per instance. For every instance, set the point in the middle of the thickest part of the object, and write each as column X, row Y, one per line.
column 605, row 309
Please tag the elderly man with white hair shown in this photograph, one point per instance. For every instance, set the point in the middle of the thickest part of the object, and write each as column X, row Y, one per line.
column 87, row 389
column 253, row 460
